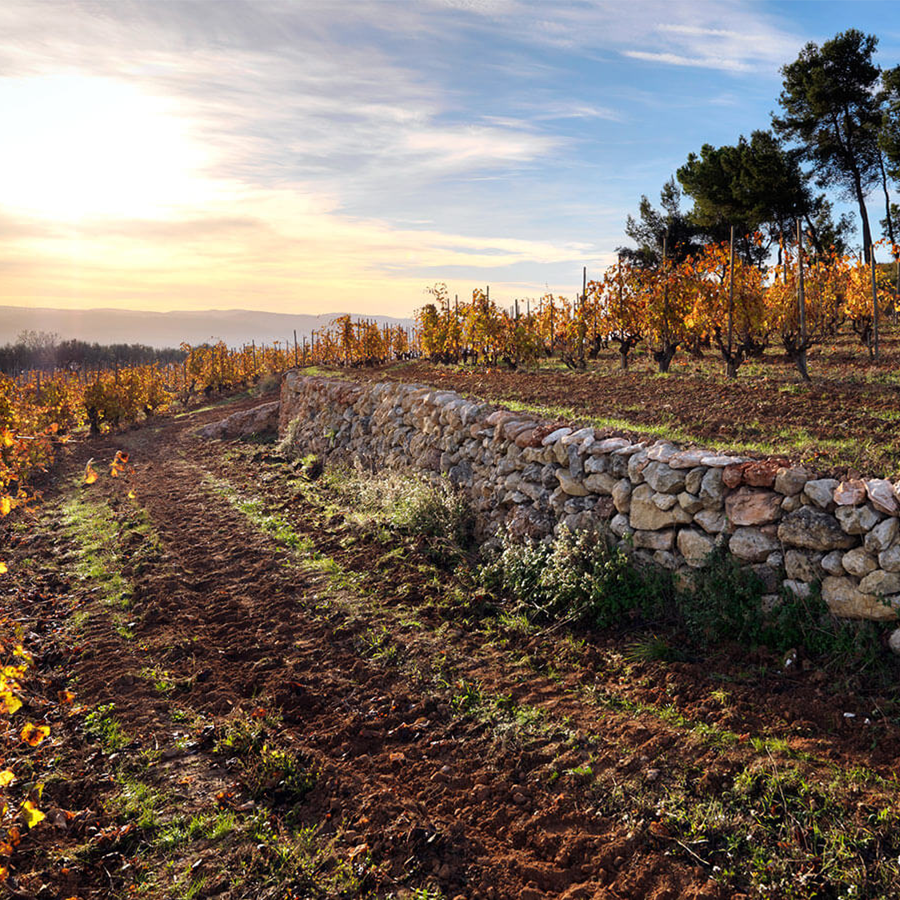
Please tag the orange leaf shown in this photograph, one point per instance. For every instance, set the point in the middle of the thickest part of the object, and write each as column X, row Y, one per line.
column 34, row 734
column 65, row 697
column 90, row 474
column 7, row 438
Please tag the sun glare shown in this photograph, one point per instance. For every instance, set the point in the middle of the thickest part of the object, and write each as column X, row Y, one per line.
column 75, row 146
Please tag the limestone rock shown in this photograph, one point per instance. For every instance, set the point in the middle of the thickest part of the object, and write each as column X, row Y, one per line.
column 894, row 642
column 621, row 495
column 712, row 491
column 859, row 563
column 663, row 478
column 690, row 503
column 572, row 486
column 637, row 462
column 850, row 493
column 664, row 501
column 693, row 479
column 857, row 519
column 601, row 483
column 889, row 559
column 620, row 526
column 662, row 451
column 647, row 516
column 733, row 475
column 832, row 563
column 845, row 599
column 262, row 419
column 882, row 535
column 803, row 566
column 820, row 491
column 801, row 589
column 654, row 540
column 789, row 480
column 881, row 493
column 711, row 521
column 752, row 544
column 881, row 583
column 814, row 530
column 694, row 546
column 749, row 506
column 686, row 459
column 789, row 504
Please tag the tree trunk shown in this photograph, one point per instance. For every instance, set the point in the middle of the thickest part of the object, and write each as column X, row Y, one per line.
column 664, row 357
column 863, row 213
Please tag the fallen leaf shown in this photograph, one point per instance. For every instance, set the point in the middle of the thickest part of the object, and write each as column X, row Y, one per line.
column 34, row 734
column 6, row 777
column 31, row 814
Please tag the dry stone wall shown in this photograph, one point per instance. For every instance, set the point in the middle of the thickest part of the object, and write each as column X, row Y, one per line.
column 668, row 505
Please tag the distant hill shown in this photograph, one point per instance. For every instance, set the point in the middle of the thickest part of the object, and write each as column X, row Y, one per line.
column 168, row 329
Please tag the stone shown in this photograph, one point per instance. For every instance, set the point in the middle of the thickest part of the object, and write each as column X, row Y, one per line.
column 572, row 486
column 595, row 464
column 850, row 493
column 820, row 491
column 711, row 521
column 753, row 506
column 733, row 475
column 621, row 495
column 663, row 478
column 760, row 473
column 845, row 599
column 832, row 563
column 859, row 563
column 620, row 526
column 752, row 544
column 664, row 501
column 719, row 461
column 576, row 461
column 654, row 540
column 889, row 559
column 637, row 462
column 803, row 566
column 582, row 437
column 662, row 451
column 894, row 642
column 555, row 436
column 647, row 516
column 608, row 445
column 712, row 491
column 789, row 480
column 882, row 535
column 857, row 519
column 694, row 546
column 775, row 559
column 693, row 479
column 814, row 530
column 789, row 504
column 881, row 493
column 689, row 502
column 880, row 583
column 601, row 483
column 262, row 419
column 800, row 589
column 686, row 459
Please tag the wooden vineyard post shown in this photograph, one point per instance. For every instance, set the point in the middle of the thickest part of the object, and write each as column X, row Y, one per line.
column 801, row 300
column 729, row 361
column 874, row 307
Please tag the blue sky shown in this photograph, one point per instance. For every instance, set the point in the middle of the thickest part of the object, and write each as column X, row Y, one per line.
column 314, row 156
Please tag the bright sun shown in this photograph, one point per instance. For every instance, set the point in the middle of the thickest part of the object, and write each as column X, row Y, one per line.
column 73, row 147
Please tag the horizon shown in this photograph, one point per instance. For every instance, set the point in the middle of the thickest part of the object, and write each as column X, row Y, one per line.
column 261, row 156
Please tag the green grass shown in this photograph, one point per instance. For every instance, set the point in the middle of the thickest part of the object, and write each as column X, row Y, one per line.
column 102, row 726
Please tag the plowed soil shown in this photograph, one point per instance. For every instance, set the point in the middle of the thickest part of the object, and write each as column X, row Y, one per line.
column 846, row 417
column 449, row 753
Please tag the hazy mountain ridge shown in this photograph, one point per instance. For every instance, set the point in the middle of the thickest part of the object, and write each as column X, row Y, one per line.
column 167, row 329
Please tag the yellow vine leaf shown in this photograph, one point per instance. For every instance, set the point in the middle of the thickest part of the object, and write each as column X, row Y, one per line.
column 19, row 650
column 90, row 473
column 7, row 438
column 6, row 505
column 4, row 568
column 9, row 703
column 31, row 814
column 4, row 873
column 131, row 495
column 34, row 734
column 7, row 777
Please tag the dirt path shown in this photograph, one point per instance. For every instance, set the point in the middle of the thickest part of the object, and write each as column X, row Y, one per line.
column 303, row 712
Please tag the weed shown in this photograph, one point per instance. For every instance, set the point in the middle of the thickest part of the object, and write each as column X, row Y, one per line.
column 101, row 725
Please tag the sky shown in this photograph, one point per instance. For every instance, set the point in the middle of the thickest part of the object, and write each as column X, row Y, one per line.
column 312, row 156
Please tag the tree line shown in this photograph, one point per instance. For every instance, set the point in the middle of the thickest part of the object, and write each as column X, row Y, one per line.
column 837, row 128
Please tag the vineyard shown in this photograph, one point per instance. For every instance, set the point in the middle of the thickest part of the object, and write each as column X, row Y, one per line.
column 713, row 302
